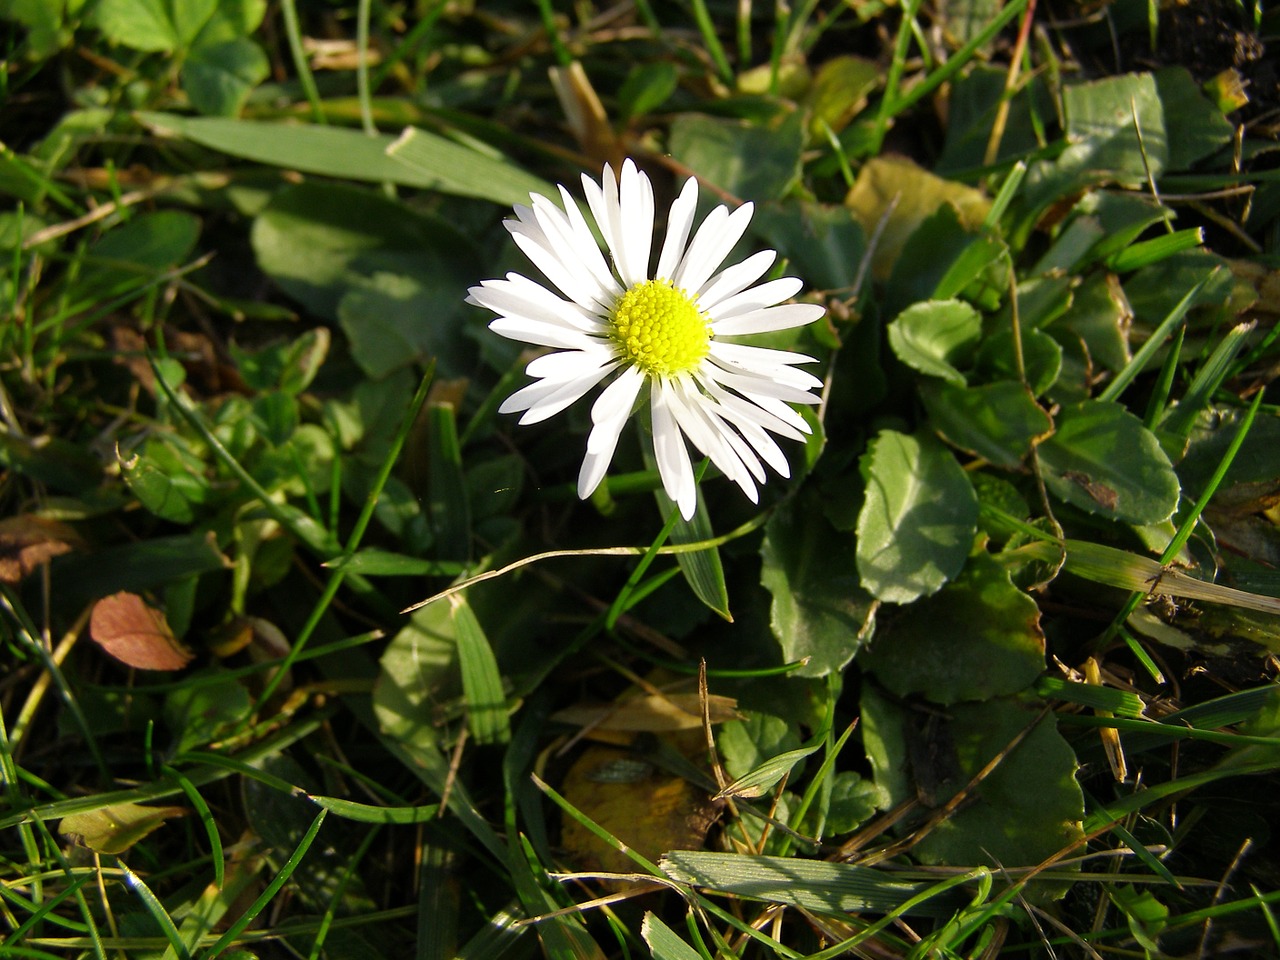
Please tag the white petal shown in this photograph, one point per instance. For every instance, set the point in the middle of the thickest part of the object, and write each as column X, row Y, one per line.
column 541, row 334
column 570, row 282
column 603, row 440
column 635, row 226
column 769, row 318
column 712, row 436
column 787, row 376
column 746, row 354
column 711, row 244
column 577, row 250
column 751, row 386
column 605, row 206
column 564, row 365
column 546, row 398
column 519, row 298
column 735, row 279
column 741, row 410
column 669, row 450
column 679, row 222
column 596, row 262
column 614, row 403
column 753, row 298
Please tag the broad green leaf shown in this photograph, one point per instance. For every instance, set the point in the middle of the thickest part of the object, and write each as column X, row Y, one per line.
column 116, row 828
column 1123, row 217
column 936, row 337
column 166, row 478
column 663, row 942
column 139, row 24
column 47, row 33
column 138, row 566
column 449, row 167
column 1101, row 120
column 854, row 800
column 918, row 519
column 701, row 569
column 646, row 88
column 218, row 77
column 448, row 510
column 424, row 160
column 746, row 745
column 144, row 245
column 396, row 321
column 754, row 161
column 1028, row 808
column 1041, row 358
column 978, row 637
column 818, row 610
column 288, row 365
column 1197, row 127
column 1100, row 316
column 998, row 421
column 1103, row 460
column 434, row 668
column 202, row 712
column 65, row 466
column 189, row 18
column 903, row 194
column 976, row 99
column 319, row 241
column 825, row 243
column 832, row 889
column 839, row 92
column 943, row 257
column 1155, row 291
column 231, row 19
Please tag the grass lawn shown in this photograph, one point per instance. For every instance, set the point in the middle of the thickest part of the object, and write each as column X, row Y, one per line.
column 685, row 481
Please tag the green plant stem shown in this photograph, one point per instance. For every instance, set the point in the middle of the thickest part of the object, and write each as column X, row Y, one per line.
column 293, row 29
column 353, row 542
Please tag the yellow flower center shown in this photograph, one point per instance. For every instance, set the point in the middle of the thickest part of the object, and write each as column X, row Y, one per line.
column 659, row 328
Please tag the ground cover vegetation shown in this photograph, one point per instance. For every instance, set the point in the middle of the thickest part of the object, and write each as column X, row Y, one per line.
column 312, row 650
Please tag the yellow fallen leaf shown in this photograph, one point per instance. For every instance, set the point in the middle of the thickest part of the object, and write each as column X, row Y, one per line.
column 116, row 828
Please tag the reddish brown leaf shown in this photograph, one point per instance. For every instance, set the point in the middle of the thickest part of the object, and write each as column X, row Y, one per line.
column 137, row 634
column 28, row 541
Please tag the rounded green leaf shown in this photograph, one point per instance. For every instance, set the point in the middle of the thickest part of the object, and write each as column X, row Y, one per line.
column 218, row 77
column 918, row 519
column 1041, row 358
column 996, row 421
column 935, row 336
column 1103, row 460
column 818, row 609
column 976, row 638
column 1028, row 808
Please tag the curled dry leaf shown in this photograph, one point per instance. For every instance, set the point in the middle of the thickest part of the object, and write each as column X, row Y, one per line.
column 28, row 541
column 133, row 632
column 650, row 713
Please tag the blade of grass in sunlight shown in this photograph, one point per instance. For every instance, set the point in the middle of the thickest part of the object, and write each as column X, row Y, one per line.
column 251, row 913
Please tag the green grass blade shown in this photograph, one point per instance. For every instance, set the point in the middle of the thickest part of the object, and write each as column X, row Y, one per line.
column 156, row 909
column 267, row 895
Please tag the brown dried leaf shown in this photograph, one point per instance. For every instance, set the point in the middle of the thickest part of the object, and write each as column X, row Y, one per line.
column 647, row 809
column 28, row 541
column 650, row 713
column 137, row 634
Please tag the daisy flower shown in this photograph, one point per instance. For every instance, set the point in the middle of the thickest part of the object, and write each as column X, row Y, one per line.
column 667, row 331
